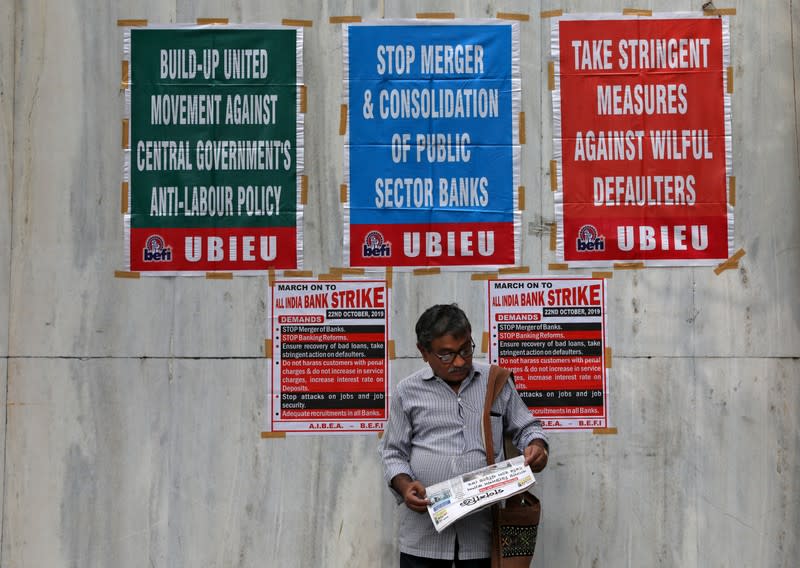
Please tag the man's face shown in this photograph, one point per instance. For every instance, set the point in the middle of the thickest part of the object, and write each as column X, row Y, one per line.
column 447, row 345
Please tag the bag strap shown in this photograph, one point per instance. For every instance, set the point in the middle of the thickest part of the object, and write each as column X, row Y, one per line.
column 498, row 377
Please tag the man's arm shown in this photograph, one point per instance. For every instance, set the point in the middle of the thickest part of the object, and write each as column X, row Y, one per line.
column 412, row 491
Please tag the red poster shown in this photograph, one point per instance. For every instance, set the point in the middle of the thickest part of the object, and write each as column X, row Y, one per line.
column 329, row 356
column 642, row 140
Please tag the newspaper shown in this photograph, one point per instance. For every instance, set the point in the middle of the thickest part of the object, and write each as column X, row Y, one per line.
column 463, row 495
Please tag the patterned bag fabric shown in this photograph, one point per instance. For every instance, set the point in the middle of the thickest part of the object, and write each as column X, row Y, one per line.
column 516, row 521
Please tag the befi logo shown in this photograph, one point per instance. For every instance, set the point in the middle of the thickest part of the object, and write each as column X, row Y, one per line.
column 155, row 250
column 374, row 246
column 589, row 240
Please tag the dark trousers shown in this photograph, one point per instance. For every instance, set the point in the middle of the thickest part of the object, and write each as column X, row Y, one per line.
column 410, row 561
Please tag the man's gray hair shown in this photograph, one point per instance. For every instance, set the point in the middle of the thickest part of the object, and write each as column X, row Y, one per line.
column 439, row 320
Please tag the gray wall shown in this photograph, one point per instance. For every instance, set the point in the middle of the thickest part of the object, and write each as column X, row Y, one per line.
column 133, row 408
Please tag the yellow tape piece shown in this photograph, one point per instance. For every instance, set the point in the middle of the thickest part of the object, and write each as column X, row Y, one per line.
column 732, row 191
column 212, row 21
column 485, row 341
column 266, row 435
column 388, row 277
column 553, row 175
column 126, row 274
column 604, row 431
column 125, row 126
column 330, row 276
column 730, row 80
column 298, row 23
column 551, row 75
column 436, row 15
column 521, row 197
column 131, row 23
column 522, row 127
column 271, row 277
column 609, row 357
column 551, row 14
column 303, row 190
column 426, row 271
column 477, row 276
column 344, row 19
column 298, row 273
column 732, row 262
column 553, row 236
column 219, row 275
column 720, row 12
column 124, row 82
column 268, row 349
column 513, row 16
column 342, row 120
column 343, row 193
column 636, row 12
column 607, row 275
column 349, row 271
column 628, row 265
column 558, row 266
column 390, row 349
column 514, row 270
column 303, row 99
column 124, row 198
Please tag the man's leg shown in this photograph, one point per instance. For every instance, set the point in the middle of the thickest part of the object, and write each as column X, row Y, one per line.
column 410, row 561
column 476, row 563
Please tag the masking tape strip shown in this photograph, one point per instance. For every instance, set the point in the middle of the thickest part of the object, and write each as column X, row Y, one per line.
column 219, row 275
column 732, row 190
column 125, row 125
column 606, row 275
column 553, row 236
column 266, row 435
column 298, row 273
column 551, row 13
column 124, row 80
column 514, row 270
column 342, row 120
column 344, row 19
column 271, row 277
column 609, row 357
column 604, row 431
column 126, row 274
column 636, row 12
column 131, row 23
column 212, row 21
column 730, row 80
column 330, row 276
column 485, row 342
column 436, row 15
column 628, row 265
column 513, row 16
column 343, row 193
column 553, row 175
column 426, row 271
column 720, row 12
column 304, row 190
column 522, row 127
column 558, row 266
column 380, row 434
column 390, row 349
column 521, row 197
column 268, row 349
column 388, row 277
column 350, row 271
column 303, row 99
column 732, row 262
column 551, row 75
column 298, row 23
column 477, row 276
column 124, row 198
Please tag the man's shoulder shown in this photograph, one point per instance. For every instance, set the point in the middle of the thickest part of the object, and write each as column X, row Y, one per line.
column 415, row 379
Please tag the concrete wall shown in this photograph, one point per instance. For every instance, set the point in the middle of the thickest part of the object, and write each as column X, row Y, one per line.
column 132, row 408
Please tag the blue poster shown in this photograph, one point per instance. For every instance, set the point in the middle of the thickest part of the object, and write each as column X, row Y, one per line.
column 432, row 150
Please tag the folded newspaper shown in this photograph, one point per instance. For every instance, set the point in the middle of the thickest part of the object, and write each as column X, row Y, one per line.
column 463, row 495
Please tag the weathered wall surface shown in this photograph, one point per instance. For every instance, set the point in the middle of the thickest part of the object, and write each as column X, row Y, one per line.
column 132, row 408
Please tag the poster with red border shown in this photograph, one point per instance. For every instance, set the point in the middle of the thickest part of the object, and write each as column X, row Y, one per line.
column 551, row 333
column 642, row 139
column 330, row 363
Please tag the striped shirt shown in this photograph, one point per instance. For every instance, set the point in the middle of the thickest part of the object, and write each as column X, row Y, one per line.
column 434, row 434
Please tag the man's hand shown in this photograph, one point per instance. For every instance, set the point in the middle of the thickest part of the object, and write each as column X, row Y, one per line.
column 536, row 455
column 413, row 492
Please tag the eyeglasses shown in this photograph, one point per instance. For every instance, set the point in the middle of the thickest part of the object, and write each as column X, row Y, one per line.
column 464, row 353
